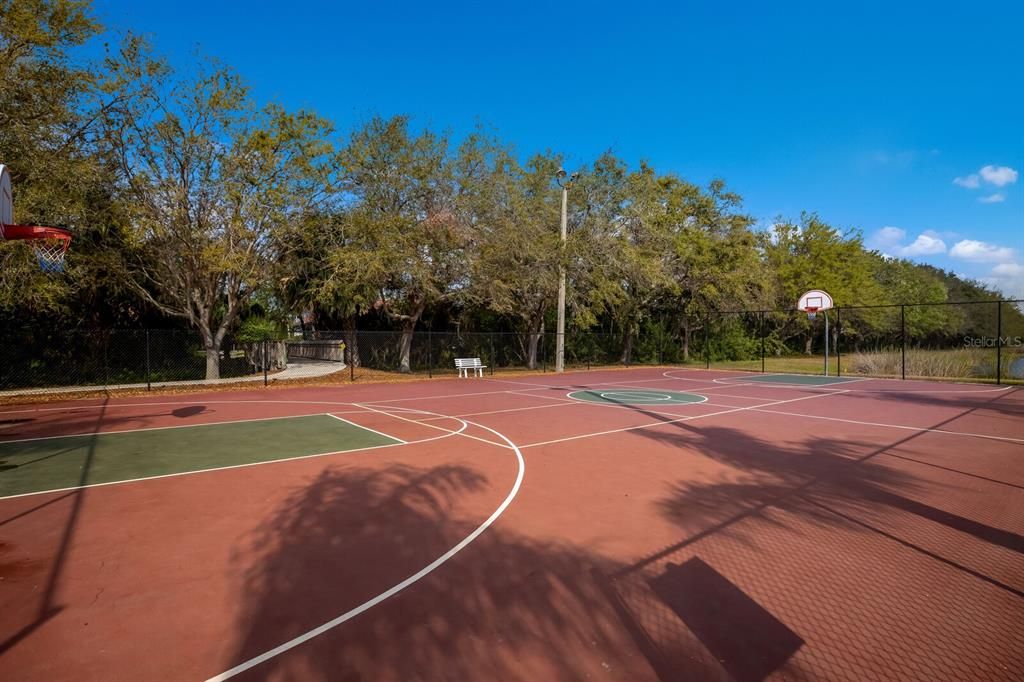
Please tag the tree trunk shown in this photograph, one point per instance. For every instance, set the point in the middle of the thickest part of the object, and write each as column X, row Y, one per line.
column 405, row 347
column 686, row 341
column 807, row 344
column 405, row 342
column 351, row 340
column 627, row 349
column 211, row 344
column 533, row 341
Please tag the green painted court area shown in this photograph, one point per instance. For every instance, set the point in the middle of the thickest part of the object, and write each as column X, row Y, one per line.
column 64, row 462
column 798, row 379
column 637, row 396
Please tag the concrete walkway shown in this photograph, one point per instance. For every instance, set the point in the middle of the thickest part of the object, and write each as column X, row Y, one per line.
column 299, row 368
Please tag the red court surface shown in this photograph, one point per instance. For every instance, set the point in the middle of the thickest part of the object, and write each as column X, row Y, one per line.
column 867, row 530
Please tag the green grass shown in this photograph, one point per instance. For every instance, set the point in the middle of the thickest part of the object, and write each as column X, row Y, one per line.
column 64, row 462
column 954, row 364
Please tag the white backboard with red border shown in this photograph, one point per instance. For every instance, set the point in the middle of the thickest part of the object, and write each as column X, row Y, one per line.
column 814, row 300
column 6, row 200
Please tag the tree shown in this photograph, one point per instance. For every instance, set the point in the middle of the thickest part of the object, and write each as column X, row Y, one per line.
column 210, row 181
column 47, row 118
column 403, row 245
column 513, row 212
column 813, row 255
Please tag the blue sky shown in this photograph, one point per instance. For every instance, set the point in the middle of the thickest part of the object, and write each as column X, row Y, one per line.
column 866, row 112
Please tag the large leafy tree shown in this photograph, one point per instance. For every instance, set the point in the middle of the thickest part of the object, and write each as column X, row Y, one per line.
column 211, row 180
column 812, row 254
column 513, row 213
column 404, row 246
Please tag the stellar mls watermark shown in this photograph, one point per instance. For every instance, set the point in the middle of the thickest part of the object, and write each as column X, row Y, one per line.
column 993, row 341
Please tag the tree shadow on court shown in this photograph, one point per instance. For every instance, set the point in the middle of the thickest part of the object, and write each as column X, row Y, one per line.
column 47, row 606
column 505, row 607
column 1006, row 403
column 84, row 421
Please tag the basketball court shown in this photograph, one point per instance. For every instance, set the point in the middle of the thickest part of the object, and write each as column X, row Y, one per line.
column 638, row 524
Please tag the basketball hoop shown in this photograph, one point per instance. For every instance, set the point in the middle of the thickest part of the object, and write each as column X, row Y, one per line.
column 811, row 313
column 49, row 243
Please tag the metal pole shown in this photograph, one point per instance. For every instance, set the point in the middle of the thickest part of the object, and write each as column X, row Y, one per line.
column 149, row 386
column 826, row 342
column 560, row 331
column 999, row 342
column 839, row 352
column 707, row 347
column 494, row 360
column 762, row 341
column 351, row 357
column 430, row 355
column 903, row 342
column 266, row 361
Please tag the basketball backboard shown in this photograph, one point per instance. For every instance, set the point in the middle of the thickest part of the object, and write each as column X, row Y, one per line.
column 6, row 200
column 814, row 301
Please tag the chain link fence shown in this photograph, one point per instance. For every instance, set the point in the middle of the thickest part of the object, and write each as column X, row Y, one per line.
column 975, row 341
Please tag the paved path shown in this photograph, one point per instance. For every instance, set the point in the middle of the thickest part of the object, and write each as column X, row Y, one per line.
column 299, row 368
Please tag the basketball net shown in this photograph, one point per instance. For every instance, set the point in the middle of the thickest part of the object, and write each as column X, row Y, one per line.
column 812, row 313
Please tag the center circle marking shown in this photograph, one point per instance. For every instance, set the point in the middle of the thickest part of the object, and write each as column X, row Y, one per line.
column 636, row 396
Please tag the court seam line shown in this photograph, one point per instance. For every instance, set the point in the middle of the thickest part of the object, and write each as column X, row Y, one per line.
column 890, row 426
column 366, row 428
column 431, row 426
column 671, row 421
column 161, row 428
column 230, row 466
column 399, row 587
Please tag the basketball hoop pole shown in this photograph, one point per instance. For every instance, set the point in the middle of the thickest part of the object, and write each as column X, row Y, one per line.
column 826, row 341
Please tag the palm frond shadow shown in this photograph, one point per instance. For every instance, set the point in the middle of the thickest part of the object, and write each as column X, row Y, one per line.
column 506, row 607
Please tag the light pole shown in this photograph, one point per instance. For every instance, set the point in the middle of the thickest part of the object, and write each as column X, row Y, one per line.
column 560, row 331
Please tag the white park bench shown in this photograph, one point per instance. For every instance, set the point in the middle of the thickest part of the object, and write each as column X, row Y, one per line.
column 466, row 364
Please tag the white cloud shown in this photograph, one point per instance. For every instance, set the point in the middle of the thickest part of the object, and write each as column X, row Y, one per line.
column 924, row 245
column 1007, row 278
column 889, row 236
column 996, row 198
column 1008, row 270
column 998, row 175
column 971, row 181
column 981, row 252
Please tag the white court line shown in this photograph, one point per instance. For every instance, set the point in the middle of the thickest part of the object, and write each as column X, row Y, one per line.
column 861, row 390
column 111, row 406
column 236, row 466
column 673, row 421
column 415, row 577
column 890, row 426
column 431, row 426
column 163, row 428
column 366, row 428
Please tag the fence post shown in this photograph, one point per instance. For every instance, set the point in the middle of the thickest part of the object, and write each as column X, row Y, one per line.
column 266, row 361
column 839, row 335
column 903, row 341
column 544, row 351
column 494, row 359
column 707, row 346
column 149, row 385
column 430, row 354
column 106, row 359
column 762, row 341
column 351, row 357
column 999, row 342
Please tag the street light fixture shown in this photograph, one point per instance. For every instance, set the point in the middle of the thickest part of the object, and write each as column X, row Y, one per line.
column 560, row 178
